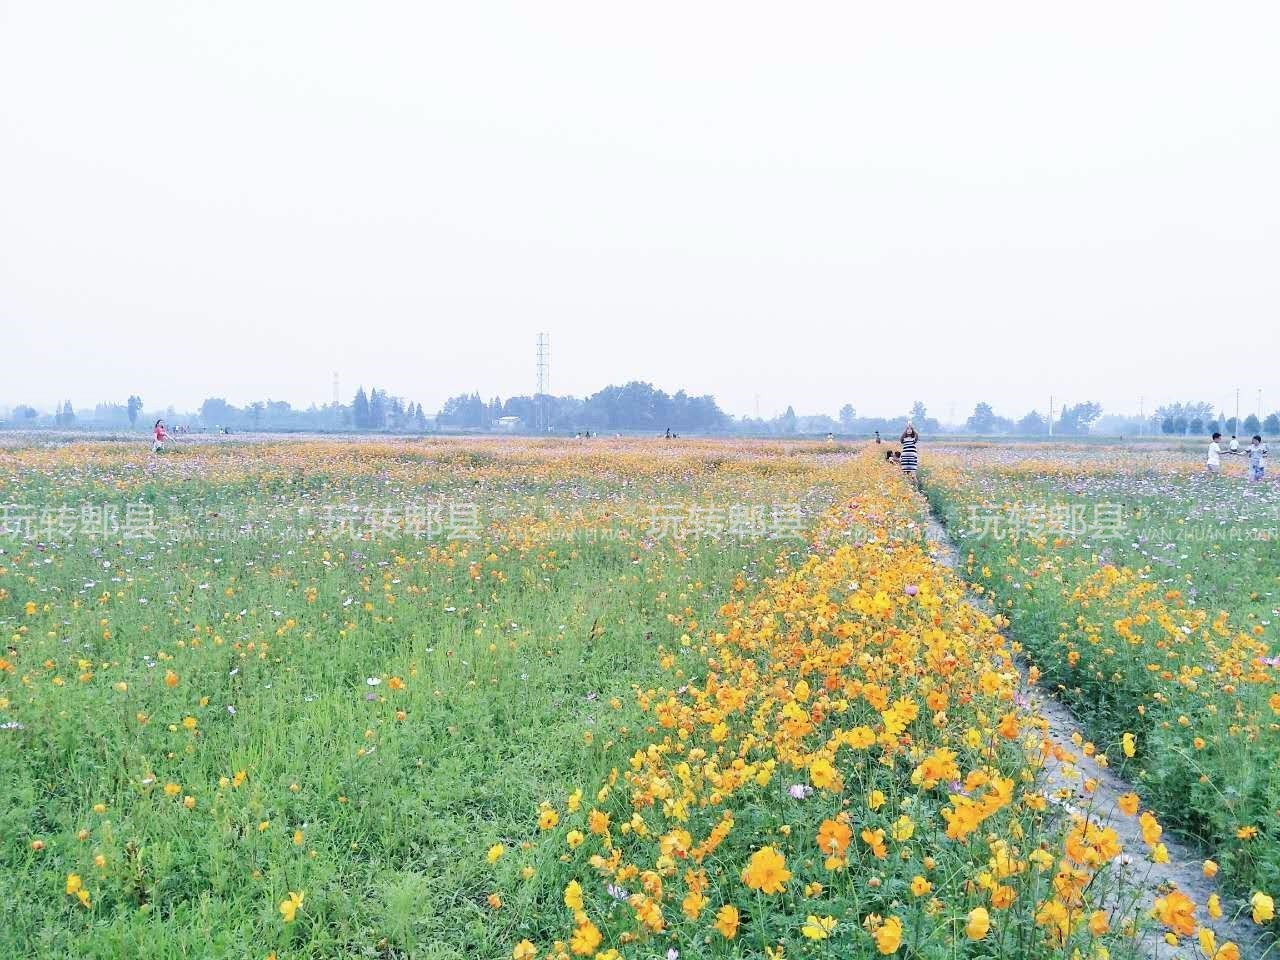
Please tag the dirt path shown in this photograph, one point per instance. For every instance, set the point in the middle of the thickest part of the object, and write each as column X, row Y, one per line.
column 1064, row 778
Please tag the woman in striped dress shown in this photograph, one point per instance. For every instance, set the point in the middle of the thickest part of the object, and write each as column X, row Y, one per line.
column 910, row 459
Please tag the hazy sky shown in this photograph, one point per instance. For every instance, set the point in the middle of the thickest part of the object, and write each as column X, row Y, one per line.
column 870, row 202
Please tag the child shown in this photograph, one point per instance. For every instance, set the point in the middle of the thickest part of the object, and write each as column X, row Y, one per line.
column 160, row 434
column 1214, row 463
column 1257, row 458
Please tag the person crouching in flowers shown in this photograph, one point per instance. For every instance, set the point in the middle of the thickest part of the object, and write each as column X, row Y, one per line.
column 160, row 436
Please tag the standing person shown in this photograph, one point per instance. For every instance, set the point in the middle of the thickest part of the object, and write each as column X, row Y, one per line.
column 910, row 458
column 877, row 436
column 1257, row 458
column 160, row 436
column 1214, row 463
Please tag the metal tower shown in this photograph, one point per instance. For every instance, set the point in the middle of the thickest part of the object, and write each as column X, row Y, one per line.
column 544, row 381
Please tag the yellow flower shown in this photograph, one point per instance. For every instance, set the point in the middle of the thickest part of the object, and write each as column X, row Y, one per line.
column 495, row 853
column 289, row 906
column 979, row 923
column 524, row 950
column 1127, row 745
column 548, row 818
column 727, row 921
column 766, row 871
column 573, row 896
column 1264, row 908
column 818, row 928
column 1128, row 803
column 1098, row 923
column 1209, row 869
column 920, row 886
column 586, row 937
column 888, row 936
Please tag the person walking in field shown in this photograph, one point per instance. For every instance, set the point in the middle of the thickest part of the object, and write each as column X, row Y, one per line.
column 161, row 435
column 910, row 458
column 1214, row 462
column 1257, row 458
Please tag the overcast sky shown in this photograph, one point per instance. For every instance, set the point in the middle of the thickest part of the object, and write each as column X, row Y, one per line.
column 815, row 203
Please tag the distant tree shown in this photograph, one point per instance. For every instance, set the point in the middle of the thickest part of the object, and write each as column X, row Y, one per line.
column 1231, row 425
column 360, row 410
column 847, row 416
column 215, row 411
column 377, row 409
column 256, row 410
column 25, row 412
column 1167, row 425
column 1196, row 425
column 134, row 407
column 1180, row 425
column 1272, row 424
column 466, row 411
column 982, row 420
column 918, row 413
column 419, row 418
column 787, row 422
column 1078, row 419
column 1251, row 425
column 1032, row 424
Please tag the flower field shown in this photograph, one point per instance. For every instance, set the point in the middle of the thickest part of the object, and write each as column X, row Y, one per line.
column 1147, row 594
column 521, row 698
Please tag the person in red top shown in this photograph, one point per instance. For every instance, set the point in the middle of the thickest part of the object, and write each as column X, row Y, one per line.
column 161, row 436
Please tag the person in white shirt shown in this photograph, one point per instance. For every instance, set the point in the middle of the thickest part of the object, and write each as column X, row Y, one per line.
column 1235, row 444
column 1214, row 463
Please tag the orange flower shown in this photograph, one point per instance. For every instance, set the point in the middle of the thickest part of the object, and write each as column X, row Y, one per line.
column 767, row 871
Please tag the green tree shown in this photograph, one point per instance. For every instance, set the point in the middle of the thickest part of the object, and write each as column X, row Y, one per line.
column 847, row 416
column 1032, row 424
column 134, row 407
column 360, row 410
column 1272, row 424
column 983, row 418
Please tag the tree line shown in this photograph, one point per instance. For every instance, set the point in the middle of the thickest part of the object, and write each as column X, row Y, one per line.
column 637, row 406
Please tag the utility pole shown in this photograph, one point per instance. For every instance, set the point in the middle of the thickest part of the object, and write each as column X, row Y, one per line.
column 1236, row 431
column 1051, row 414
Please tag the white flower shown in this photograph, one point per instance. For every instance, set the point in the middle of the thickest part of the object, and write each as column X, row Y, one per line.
column 373, row 681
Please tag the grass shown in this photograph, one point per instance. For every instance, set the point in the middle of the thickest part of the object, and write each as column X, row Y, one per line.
column 511, row 650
